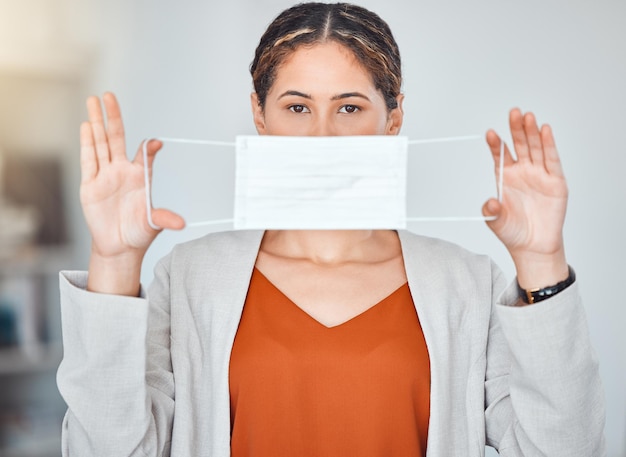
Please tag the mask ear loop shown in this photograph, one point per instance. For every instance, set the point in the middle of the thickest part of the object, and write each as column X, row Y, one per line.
column 501, row 173
column 500, row 180
column 148, row 184
column 500, row 185
column 146, row 179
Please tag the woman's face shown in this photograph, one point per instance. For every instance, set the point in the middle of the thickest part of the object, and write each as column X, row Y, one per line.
column 324, row 91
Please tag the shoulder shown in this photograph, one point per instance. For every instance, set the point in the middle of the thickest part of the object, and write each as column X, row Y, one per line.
column 214, row 249
column 436, row 249
column 234, row 240
column 446, row 261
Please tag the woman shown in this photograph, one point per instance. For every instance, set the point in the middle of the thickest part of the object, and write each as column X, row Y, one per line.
column 323, row 343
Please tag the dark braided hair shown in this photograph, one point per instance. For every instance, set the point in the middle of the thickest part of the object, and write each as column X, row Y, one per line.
column 358, row 29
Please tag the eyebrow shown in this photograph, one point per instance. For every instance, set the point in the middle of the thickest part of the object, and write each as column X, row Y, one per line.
column 296, row 93
column 350, row 95
column 334, row 97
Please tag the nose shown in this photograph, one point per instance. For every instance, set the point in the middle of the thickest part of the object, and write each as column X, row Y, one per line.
column 323, row 126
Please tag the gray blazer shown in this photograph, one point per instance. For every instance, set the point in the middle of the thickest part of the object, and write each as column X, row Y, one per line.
column 150, row 377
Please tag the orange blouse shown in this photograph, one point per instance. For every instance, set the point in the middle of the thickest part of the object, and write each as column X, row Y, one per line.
column 299, row 388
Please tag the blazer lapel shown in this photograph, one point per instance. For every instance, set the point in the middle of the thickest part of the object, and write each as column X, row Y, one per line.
column 428, row 284
column 228, row 260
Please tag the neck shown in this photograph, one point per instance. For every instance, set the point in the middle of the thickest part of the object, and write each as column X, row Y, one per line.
column 330, row 247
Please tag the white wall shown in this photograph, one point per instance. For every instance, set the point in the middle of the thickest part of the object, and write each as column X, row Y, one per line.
column 180, row 69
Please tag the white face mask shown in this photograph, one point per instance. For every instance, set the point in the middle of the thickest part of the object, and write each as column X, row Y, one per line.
column 340, row 182
column 320, row 182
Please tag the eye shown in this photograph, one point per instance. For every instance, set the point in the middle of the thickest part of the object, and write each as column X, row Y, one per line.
column 349, row 109
column 299, row 109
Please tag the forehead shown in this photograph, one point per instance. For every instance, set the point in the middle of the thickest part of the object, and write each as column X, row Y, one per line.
column 327, row 64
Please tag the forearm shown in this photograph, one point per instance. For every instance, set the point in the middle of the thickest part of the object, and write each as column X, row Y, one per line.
column 536, row 271
column 119, row 275
column 555, row 393
column 113, row 410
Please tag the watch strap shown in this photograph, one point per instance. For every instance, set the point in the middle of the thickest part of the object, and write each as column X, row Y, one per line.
column 530, row 296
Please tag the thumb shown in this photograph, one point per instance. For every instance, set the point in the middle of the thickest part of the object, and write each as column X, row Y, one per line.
column 492, row 208
column 167, row 219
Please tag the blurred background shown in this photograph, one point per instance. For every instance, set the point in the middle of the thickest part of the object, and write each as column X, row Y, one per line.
column 181, row 69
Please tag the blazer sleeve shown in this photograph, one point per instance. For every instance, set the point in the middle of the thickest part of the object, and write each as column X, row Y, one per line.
column 116, row 373
column 543, row 392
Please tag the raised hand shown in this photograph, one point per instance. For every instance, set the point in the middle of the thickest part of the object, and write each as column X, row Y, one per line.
column 531, row 216
column 112, row 194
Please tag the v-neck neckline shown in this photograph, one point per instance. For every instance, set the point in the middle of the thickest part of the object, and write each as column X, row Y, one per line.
column 347, row 322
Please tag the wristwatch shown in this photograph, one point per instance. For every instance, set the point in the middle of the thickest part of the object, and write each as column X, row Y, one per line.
column 531, row 296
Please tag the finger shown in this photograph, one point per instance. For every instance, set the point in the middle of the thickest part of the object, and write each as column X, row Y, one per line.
column 152, row 147
column 552, row 160
column 534, row 140
column 94, row 110
column 88, row 161
column 520, row 143
column 495, row 144
column 115, row 127
column 167, row 219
